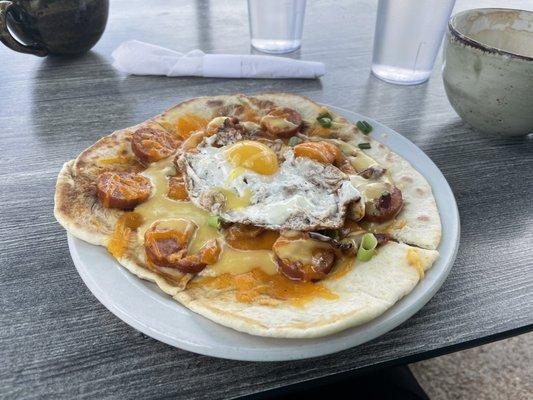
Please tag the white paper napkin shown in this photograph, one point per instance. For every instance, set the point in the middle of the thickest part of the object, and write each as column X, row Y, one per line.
column 139, row 58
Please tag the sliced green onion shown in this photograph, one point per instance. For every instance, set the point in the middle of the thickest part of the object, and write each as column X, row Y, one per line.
column 293, row 141
column 325, row 122
column 367, row 247
column 364, row 146
column 325, row 114
column 364, row 127
column 215, row 221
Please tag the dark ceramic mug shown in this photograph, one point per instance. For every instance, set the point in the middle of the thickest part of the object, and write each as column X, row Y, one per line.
column 52, row 26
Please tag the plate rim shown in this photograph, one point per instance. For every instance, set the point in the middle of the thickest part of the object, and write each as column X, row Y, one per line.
column 389, row 320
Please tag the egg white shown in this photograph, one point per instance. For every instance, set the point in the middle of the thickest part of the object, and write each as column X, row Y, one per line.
column 302, row 194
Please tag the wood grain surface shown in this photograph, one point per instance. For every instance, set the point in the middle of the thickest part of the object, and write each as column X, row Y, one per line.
column 58, row 341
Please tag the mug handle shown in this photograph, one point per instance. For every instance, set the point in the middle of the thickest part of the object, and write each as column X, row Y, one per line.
column 10, row 41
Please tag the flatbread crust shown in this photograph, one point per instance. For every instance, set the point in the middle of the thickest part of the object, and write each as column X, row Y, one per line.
column 366, row 291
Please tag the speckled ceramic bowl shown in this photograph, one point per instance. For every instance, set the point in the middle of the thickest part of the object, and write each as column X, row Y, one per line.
column 488, row 69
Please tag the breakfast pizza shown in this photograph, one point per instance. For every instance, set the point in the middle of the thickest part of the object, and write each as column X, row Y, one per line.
column 269, row 214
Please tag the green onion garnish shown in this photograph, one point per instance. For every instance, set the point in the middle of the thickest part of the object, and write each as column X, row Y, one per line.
column 324, row 122
column 325, row 119
column 364, row 146
column 293, row 141
column 364, row 127
column 367, row 247
column 215, row 221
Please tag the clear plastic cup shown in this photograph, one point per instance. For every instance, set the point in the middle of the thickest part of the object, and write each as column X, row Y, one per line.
column 407, row 39
column 276, row 25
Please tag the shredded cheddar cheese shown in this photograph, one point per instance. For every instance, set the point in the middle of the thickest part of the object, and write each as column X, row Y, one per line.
column 188, row 124
column 252, row 285
column 250, row 115
column 118, row 243
column 320, row 131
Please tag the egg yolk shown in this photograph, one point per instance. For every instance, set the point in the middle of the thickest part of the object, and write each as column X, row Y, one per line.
column 254, row 156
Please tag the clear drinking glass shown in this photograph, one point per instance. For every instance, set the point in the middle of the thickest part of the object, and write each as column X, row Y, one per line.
column 276, row 25
column 407, row 39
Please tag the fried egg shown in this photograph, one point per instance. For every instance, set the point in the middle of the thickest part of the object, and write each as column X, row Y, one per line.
column 249, row 183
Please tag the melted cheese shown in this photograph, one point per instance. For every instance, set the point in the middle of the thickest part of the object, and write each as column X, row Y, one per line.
column 373, row 190
column 233, row 201
column 299, row 249
column 189, row 123
column 160, row 207
column 250, row 115
column 278, row 122
column 378, row 227
column 263, row 241
column 414, row 260
column 238, row 262
column 318, row 130
column 118, row 243
column 256, row 284
column 361, row 161
column 253, row 274
column 358, row 180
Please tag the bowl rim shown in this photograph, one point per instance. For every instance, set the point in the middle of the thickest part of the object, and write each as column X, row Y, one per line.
column 478, row 45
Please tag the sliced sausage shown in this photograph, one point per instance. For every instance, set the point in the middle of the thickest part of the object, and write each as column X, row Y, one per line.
column 385, row 206
column 151, row 145
column 218, row 124
column 228, row 130
column 282, row 122
column 382, row 238
column 373, row 172
column 196, row 262
column 248, row 237
column 304, row 259
column 323, row 152
column 352, row 241
column 167, row 246
column 124, row 190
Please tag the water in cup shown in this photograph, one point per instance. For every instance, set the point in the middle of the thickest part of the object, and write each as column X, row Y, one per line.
column 276, row 25
column 407, row 38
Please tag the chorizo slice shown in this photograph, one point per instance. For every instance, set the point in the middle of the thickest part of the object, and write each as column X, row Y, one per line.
column 323, row 152
column 248, row 237
column 282, row 122
column 304, row 259
column 123, row 190
column 166, row 244
column 151, row 145
column 382, row 202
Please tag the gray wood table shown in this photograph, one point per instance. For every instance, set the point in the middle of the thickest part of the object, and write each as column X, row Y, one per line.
column 57, row 340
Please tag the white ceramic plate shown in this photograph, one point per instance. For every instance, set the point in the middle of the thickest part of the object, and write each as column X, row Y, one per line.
column 143, row 306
